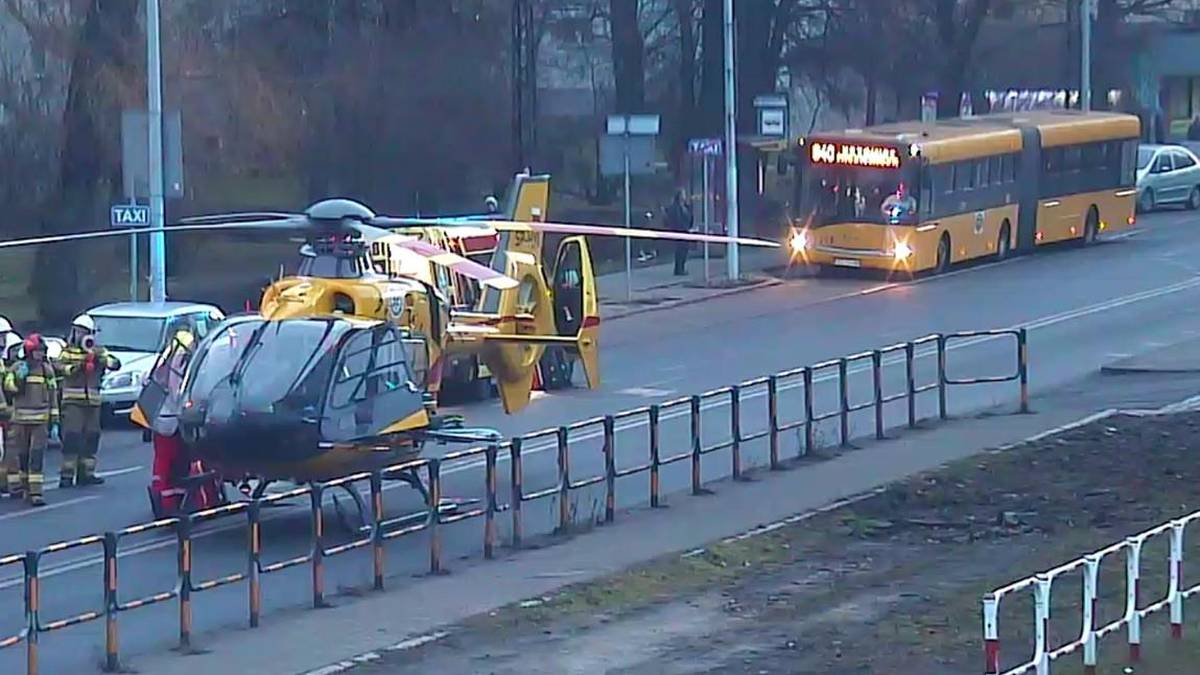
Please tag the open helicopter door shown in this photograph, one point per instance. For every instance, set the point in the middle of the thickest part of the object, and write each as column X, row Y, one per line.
column 157, row 403
column 373, row 391
column 576, row 304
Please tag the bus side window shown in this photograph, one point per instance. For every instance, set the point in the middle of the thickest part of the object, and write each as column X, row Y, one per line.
column 928, row 189
column 997, row 169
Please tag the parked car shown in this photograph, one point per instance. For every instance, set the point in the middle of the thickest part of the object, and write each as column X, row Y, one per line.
column 1167, row 174
column 135, row 333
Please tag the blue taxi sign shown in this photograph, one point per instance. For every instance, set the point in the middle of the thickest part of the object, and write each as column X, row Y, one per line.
column 129, row 215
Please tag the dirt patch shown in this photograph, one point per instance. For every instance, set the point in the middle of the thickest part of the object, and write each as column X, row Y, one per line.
column 891, row 584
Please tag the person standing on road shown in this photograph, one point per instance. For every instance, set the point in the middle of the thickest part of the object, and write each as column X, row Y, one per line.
column 8, row 339
column 82, row 367
column 678, row 218
column 5, row 418
column 33, row 388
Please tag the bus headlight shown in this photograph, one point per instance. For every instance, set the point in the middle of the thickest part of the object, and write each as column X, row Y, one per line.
column 902, row 251
column 799, row 241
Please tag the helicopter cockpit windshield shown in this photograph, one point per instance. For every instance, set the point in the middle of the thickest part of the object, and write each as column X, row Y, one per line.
column 348, row 380
column 268, row 365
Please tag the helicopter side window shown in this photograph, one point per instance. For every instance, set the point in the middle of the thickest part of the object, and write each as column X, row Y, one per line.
column 343, row 303
column 372, row 386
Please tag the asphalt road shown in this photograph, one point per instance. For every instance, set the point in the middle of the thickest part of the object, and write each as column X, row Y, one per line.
column 1083, row 307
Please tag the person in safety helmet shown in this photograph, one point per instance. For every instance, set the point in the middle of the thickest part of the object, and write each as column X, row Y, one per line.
column 81, row 368
column 9, row 341
column 32, row 387
column 173, row 466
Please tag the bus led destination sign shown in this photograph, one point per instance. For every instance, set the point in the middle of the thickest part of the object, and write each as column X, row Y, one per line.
column 854, row 154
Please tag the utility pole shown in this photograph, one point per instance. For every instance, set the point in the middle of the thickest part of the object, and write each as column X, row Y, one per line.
column 158, row 249
column 1085, row 51
column 731, row 174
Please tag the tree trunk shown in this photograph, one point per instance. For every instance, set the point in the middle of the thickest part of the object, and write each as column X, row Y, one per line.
column 104, row 73
column 628, row 56
column 870, row 103
column 686, row 128
column 1111, row 56
column 712, row 81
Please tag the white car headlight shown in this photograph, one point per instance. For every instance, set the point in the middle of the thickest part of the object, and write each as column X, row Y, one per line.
column 122, row 380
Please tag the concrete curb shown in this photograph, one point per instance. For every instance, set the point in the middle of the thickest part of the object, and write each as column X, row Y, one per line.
column 1117, row 369
column 765, row 283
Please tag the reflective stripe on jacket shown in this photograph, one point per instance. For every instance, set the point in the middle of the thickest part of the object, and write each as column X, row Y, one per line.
column 79, row 387
column 34, row 397
column 5, row 409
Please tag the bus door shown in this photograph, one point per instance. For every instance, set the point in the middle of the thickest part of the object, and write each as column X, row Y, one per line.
column 1029, row 169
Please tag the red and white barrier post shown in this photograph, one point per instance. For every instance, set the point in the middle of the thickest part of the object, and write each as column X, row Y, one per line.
column 1041, row 609
column 991, row 634
column 1091, row 583
column 1176, row 592
column 1133, row 586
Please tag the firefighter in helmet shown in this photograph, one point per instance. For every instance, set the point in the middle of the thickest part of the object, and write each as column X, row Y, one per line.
column 8, row 339
column 32, row 388
column 82, row 367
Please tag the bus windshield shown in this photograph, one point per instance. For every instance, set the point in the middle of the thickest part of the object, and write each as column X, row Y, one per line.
column 840, row 194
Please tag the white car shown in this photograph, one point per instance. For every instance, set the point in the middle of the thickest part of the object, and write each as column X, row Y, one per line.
column 135, row 333
column 1167, row 174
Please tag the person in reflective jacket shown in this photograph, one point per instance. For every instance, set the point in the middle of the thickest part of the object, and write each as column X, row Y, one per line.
column 32, row 387
column 82, row 366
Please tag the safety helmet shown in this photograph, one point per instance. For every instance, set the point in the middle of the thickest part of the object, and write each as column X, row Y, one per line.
column 85, row 322
column 492, row 204
column 34, row 342
column 5, row 325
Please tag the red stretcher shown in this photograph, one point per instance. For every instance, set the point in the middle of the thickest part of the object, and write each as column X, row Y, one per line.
column 180, row 484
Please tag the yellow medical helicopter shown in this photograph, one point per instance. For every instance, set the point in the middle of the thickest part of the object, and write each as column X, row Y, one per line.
column 338, row 371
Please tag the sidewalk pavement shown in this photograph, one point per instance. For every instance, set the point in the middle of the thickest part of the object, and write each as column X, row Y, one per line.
column 1181, row 357
column 654, row 285
column 355, row 630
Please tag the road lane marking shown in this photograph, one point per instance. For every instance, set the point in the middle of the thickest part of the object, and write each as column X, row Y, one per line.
column 119, row 472
column 47, row 508
column 535, row 448
column 102, row 474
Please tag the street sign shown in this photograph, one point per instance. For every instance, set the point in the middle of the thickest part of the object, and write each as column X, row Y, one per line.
column 135, row 155
column 634, row 125
column 705, row 146
column 642, row 157
column 772, row 112
column 129, row 215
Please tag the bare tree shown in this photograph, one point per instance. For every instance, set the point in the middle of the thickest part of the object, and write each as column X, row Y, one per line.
column 628, row 50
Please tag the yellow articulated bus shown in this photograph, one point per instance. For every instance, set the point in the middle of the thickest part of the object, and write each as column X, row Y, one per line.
column 912, row 196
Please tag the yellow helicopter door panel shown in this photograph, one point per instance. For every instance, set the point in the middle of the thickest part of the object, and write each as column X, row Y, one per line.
column 159, row 397
column 577, row 304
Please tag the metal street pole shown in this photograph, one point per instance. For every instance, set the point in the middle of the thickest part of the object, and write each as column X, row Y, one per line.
column 628, row 221
column 704, row 158
column 158, row 257
column 1085, row 69
column 731, row 174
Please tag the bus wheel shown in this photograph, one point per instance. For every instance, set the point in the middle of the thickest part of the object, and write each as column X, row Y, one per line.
column 943, row 256
column 1090, row 227
column 1002, row 242
column 1193, row 201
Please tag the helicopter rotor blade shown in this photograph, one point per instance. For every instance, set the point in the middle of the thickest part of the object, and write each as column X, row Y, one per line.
column 464, row 266
column 199, row 227
column 239, row 217
column 572, row 228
